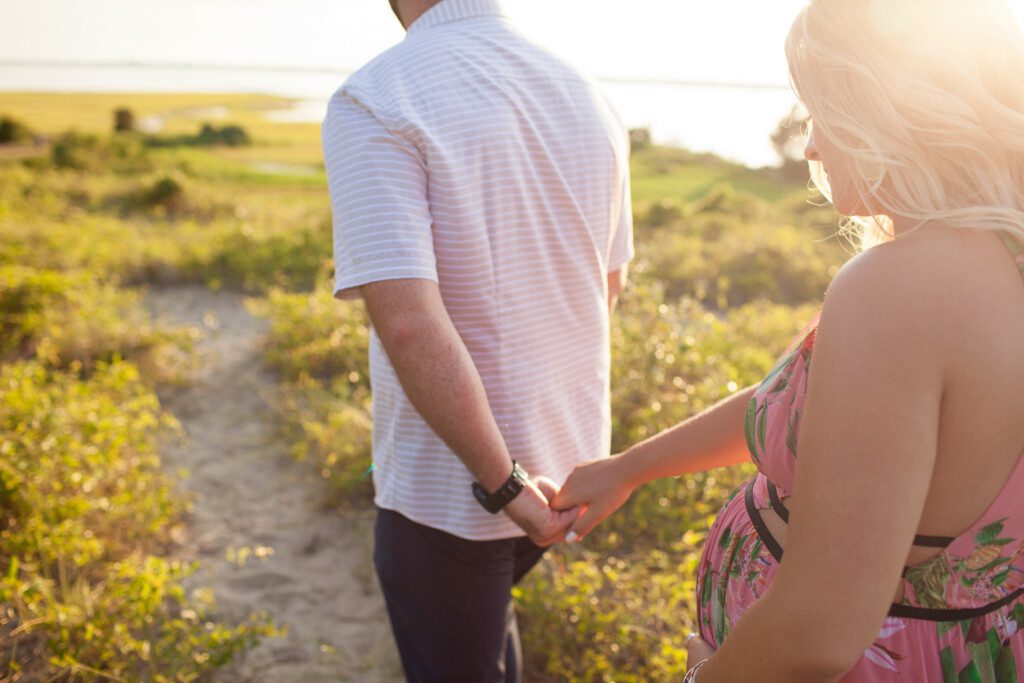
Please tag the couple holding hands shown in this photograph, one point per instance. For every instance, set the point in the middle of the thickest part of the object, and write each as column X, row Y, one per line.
column 481, row 201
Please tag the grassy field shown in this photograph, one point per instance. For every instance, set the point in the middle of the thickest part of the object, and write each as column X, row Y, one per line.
column 286, row 143
column 731, row 262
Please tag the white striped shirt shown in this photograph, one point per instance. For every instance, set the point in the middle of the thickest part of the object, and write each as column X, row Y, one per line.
column 468, row 156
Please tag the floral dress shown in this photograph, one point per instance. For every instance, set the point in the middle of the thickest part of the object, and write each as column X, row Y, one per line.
column 963, row 612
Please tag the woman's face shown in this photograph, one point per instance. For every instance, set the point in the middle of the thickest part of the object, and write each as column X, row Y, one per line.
column 839, row 170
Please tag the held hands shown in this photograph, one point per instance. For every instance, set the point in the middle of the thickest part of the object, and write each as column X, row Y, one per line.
column 530, row 509
column 599, row 487
column 594, row 490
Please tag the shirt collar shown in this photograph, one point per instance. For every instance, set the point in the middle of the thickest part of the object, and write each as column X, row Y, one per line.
column 455, row 10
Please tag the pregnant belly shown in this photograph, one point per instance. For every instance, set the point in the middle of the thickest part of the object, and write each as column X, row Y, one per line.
column 735, row 567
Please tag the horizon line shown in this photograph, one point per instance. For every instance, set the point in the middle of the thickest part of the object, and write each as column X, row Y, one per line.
column 623, row 80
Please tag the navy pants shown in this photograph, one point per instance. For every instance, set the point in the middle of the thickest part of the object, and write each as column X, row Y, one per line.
column 449, row 601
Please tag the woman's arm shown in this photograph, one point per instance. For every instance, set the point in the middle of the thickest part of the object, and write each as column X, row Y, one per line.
column 711, row 439
column 867, row 446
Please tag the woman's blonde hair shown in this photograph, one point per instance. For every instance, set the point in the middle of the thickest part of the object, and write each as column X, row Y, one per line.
column 926, row 99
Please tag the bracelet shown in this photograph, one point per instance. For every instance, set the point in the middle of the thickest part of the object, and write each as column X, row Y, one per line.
column 691, row 675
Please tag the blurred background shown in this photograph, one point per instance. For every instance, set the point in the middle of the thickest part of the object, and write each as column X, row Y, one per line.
column 706, row 76
column 185, row 424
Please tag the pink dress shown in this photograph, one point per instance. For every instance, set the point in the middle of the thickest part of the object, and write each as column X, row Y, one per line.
column 962, row 618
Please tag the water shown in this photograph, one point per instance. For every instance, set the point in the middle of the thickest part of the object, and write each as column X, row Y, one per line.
column 733, row 122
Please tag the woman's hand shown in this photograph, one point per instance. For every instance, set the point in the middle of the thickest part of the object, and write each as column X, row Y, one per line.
column 600, row 487
column 532, row 512
column 696, row 651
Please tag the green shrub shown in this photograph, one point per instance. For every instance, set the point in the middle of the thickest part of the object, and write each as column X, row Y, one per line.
column 256, row 259
column 316, row 335
column 14, row 131
column 723, row 198
column 80, row 473
column 232, row 136
column 130, row 252
column 134, row 624
column 320, row 346
column 331, row 428
column 66, row 318
column 73, row 150
column 730, row 249
column 83, row 505
column 164, row 227
column 119, row 154
column 639, row 139
column 124, row 120
column 165, row 192
column 666, row 212
column 592, row 617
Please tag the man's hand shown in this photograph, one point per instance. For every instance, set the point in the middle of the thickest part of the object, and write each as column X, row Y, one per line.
column 600, row 487
column 530, row 510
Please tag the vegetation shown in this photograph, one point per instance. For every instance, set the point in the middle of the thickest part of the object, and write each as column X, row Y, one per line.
column 731, row 263
column 208, row 136
column 124, row 120
column 14, row 131
column 88, row 590
column 788, row 141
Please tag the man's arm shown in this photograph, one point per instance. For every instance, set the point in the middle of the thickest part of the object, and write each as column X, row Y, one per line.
column 383, row 251
column 439, row 377
column 621, row 251
column 616, row 283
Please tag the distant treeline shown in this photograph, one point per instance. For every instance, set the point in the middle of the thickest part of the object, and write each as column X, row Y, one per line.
column 208, row 136
column 14, row 131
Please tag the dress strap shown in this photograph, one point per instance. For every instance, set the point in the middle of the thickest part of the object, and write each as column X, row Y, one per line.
column 763, row 532
column 895, row 610
column 783, row 512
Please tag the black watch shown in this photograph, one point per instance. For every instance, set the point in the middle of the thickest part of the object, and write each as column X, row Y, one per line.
column 494, row 502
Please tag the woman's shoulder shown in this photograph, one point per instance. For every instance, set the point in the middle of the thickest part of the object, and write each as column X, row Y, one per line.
column 937, row 269
column 926, row 290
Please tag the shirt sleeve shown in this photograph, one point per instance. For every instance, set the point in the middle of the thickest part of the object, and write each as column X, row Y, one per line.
column 622, row 250
column 378, row 188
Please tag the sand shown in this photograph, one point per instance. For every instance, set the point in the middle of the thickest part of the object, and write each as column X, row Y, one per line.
column 315, row 575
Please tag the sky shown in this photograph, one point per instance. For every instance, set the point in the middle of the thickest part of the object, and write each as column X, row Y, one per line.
column 732, row 40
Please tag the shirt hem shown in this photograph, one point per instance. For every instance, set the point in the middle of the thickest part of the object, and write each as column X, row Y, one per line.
column 419, row 519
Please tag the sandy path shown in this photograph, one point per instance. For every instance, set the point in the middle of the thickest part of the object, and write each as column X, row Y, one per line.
column 249, row 494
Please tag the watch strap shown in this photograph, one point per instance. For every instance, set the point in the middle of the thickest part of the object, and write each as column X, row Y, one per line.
column 495, row 502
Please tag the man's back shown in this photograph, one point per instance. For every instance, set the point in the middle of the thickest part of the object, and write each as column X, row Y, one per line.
column 507, row 184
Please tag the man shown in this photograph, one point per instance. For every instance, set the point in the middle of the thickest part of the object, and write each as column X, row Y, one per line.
column 481, row 210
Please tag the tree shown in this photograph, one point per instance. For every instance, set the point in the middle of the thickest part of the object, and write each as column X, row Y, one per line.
column 789, row 141
column 12, row 130
column 124, row 120
column 639, row 138
column 234, row 136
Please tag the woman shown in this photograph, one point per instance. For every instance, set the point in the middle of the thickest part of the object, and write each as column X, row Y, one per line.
column 891, row 476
